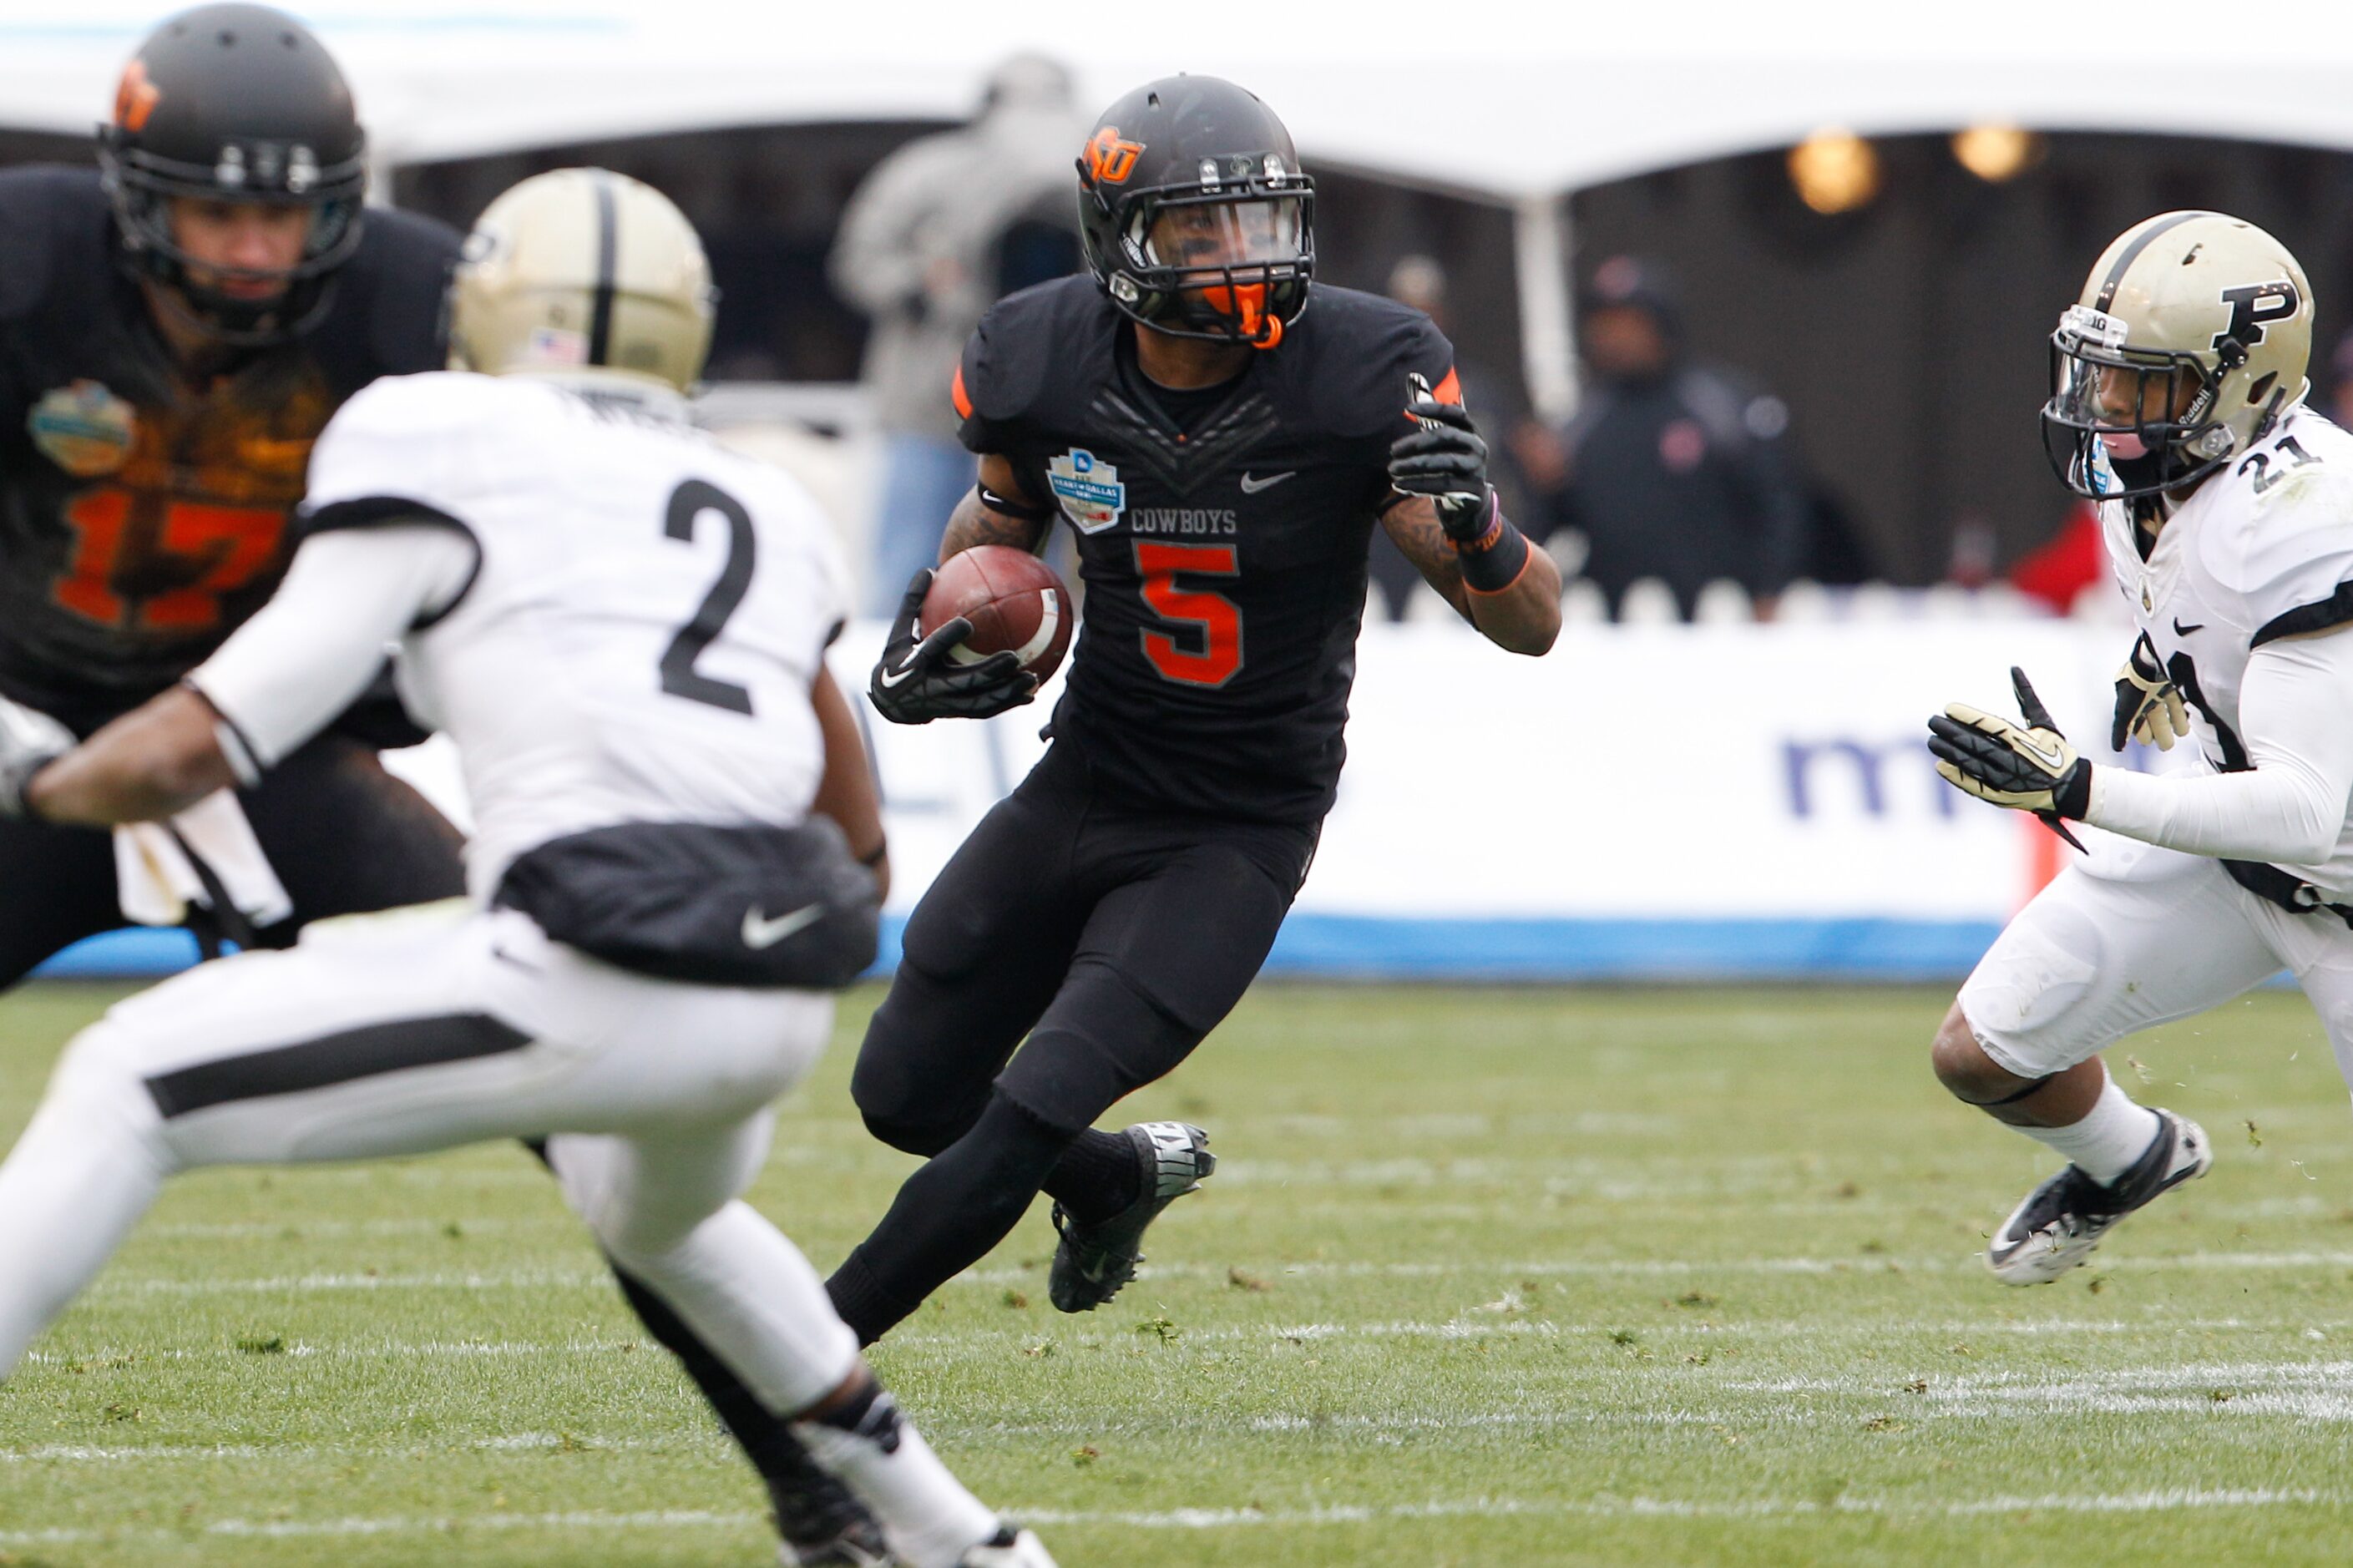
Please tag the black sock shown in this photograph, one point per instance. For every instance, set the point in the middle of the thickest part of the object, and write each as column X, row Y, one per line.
column 1096, row 1177
column 946, row 1217
column 861, row 1300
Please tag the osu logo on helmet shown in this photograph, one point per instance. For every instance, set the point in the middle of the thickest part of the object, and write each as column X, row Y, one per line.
column 1111, row 160
column 136, row 97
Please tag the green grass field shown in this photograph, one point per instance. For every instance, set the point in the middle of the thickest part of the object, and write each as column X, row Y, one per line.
column 1485, row 1277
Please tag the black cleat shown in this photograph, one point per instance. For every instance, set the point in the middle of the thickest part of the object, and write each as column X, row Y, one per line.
column 823, row 1525
column 1094, row 1260
column 2060, row 1221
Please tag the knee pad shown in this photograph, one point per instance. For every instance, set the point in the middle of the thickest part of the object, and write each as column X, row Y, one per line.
column 901, row 1104
column 102, row 1061
column 1104, row 1039
column 896, row 1111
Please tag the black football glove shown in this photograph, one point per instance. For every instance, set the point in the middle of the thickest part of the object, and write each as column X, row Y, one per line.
column 29, row 740
column 2149, row 705
column 1444, row 459
column 922, row 679
column 2027, row 767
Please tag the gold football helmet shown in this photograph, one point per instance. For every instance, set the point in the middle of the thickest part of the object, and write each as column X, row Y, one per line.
column 2192, row 335
column 580, row 269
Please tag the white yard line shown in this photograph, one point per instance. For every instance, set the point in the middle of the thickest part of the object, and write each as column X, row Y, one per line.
column 297, row 1229
column 1530, row 1268
column 300, row 1284
column 513, row 1442
column 2173, row 1499
column 353, row 1350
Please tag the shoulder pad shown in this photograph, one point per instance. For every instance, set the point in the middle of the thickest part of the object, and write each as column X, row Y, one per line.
column 407, row 437
column 1355, row 355
column 398, row 276
column 48, row 213
column 2281, row 536
column 1027, row 335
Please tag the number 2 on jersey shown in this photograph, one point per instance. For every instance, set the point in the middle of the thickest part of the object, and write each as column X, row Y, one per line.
column 678, row 675
column 1214, row 619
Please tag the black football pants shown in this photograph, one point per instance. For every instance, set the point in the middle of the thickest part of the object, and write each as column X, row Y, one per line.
column 344, row 837
column 1114, row 937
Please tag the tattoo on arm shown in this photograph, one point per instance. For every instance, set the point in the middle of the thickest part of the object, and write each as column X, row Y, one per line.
column 1412, row 526
column 972, row 523
column 1523, row 618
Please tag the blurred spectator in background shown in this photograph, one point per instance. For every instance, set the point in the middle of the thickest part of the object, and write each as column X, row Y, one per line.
column 2059, row 569
column 940, row 230
column 1497, row 404
column 1675, row 469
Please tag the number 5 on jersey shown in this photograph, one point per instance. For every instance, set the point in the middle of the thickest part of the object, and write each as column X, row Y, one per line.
column 1212, row 650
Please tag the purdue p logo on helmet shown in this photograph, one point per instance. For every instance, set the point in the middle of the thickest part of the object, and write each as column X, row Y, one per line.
column 2191, row 337
column 583, row 269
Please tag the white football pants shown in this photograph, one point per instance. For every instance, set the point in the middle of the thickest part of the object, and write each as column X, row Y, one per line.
column 423, row 1030
column 2137, row 937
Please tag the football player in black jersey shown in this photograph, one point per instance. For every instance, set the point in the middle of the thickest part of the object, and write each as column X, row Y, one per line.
column 1223, row 435
column 174, row 333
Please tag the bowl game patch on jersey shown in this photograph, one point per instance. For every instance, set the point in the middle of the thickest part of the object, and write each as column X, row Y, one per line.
column 1089, row 491
column 83, row 429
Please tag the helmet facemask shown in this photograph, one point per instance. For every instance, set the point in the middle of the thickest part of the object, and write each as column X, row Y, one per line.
column 2127, row 422
column 144, row 186
column 1226, row 258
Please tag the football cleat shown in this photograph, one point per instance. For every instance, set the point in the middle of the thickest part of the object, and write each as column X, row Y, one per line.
column 1093, row 1261
column 823, row 1525
column 2061, row 1221
column 1008, row 1548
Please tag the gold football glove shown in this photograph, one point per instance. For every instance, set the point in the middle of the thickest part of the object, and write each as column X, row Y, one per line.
column 2149, row 705
column 2026, row 767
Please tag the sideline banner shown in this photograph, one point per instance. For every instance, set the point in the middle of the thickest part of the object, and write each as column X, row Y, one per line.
column 1735, row 802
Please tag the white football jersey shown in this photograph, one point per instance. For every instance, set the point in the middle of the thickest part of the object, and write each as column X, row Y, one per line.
column 2260, row 551
column 638, row 641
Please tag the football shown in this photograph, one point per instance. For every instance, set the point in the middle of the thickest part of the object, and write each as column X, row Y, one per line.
column 1013, row 601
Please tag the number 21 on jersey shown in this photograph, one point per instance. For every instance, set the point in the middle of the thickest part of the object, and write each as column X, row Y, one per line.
column 1209, row 649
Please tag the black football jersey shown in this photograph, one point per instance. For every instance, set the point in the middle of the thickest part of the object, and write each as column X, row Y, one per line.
column 144, row 516
column 1224, row 562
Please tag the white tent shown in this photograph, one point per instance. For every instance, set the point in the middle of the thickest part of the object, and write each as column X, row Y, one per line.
column 1515, row 103
column 1507, row 101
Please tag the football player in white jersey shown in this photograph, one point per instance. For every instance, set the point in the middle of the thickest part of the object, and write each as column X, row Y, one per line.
column 622, row 626
column 2227, row 506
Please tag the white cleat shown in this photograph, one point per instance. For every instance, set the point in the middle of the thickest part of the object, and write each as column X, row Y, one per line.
column 2060, row 1221
column 1008, row 1548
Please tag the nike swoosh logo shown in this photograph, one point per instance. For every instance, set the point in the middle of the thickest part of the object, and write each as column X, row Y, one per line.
column 891, row 678
column 2181, row 631
column 1251, row 486
column 2050, row 760
column 759, row 932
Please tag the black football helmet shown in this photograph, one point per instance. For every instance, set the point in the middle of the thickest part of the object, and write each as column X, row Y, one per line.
column 1195, row 218
column 240, row 103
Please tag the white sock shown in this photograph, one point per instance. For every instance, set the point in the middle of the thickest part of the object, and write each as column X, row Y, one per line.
column 930, row 1520
column 2106, row 1142
column 71, row 1190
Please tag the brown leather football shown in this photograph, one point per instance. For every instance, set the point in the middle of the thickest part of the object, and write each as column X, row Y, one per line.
column 1013, row 600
